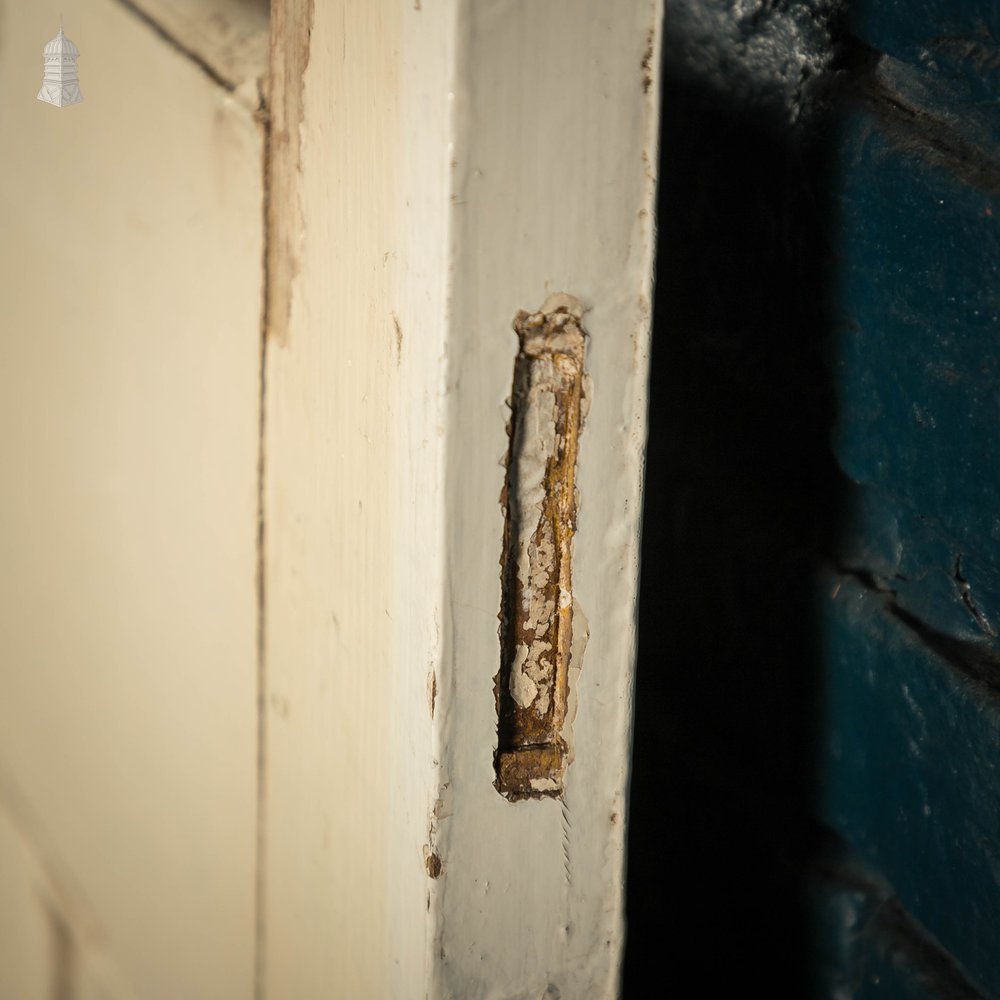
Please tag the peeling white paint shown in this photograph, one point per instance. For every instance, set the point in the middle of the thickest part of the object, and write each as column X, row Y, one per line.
column 544, row 784
column 534, row 448
column 522, row 687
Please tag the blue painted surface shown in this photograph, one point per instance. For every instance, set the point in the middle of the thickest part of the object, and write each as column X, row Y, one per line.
column 910, row 758
column 852, row 961
column 954, row 40
column 913, row 773
column 917, row 369
column 810, row 277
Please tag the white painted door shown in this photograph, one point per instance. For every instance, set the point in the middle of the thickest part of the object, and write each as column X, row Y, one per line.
column 251, row 584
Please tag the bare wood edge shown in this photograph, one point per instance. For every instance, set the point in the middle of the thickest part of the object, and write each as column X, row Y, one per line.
column 291, row 28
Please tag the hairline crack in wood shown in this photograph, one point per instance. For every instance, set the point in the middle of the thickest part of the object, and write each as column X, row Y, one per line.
column 540, row 503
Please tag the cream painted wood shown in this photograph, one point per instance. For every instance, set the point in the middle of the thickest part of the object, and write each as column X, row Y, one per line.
column 330, row 507
column 52, row 943
column 433, row 168
column 447, row 164
column 130, row 302
column 29, row 934
column 230, row 37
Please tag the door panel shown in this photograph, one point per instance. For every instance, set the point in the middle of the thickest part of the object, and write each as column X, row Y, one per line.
column 130, row 277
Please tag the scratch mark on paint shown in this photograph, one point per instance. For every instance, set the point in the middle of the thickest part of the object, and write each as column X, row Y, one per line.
column 399, row 339
column 565, row 841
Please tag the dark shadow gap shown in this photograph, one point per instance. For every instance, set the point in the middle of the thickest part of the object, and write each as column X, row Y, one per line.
column 743, row 501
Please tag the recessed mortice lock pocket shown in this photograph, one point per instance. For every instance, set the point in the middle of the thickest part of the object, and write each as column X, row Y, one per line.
column 540, row 503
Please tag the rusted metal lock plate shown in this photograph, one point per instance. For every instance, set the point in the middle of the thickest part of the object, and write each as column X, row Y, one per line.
column 540, row 500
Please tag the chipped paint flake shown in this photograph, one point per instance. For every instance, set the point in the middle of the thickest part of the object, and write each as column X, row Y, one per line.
column 544, row 785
